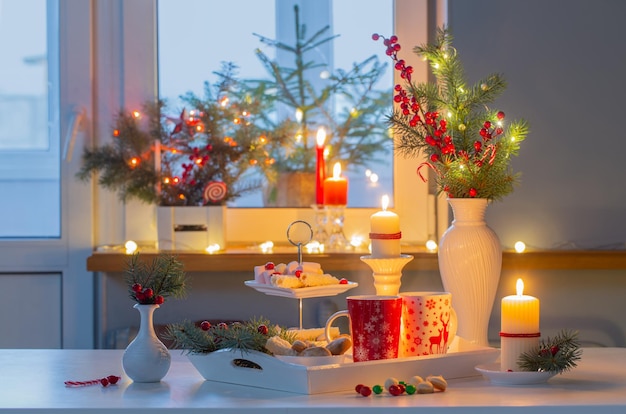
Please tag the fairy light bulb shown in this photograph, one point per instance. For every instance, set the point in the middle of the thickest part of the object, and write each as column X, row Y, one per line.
column 130, row 246
column 520, row 247
column 299, row 115
column 213, row 248
column 136, row 114
column 431, row 245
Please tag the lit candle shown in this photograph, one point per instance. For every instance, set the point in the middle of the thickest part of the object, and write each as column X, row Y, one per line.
column 519, row 327
column 336, row 188
column 385, row 232
column 320, row 173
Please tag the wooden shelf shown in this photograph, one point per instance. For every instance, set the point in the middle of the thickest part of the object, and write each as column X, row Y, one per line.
column 244, row 261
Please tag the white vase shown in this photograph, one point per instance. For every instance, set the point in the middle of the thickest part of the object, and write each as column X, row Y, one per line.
column 146, row 359
column 470, row 261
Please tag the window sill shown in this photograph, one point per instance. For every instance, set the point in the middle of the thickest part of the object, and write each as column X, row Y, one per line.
column 244, row 260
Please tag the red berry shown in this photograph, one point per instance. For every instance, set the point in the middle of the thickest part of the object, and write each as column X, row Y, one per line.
column 393, row 39
column 113, row 379
column 148, row 293
column 472, row 192
column 500, row 115
column 365, row 391
column 375, row 36
column 343, row 281
column 140, row 296
column 269, row 266
column 222, row 325
column 554, row 350
column 487, row 124
column 104, row 382
column 159, row 300
column 137, row 287
column 205, row 325
column 395, row 390
column 263, row 329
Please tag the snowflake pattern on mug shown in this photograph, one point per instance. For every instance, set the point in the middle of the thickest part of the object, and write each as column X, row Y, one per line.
column 375, row 327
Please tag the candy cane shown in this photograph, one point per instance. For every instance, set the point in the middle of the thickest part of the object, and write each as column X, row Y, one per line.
column 111, row 379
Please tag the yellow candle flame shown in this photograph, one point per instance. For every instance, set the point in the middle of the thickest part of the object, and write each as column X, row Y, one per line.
column 520, row 287
column 321, row 137
column 385, row 202
column 337, row 170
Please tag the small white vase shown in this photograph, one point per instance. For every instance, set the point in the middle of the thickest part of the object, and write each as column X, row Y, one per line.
column 146, row 359
column 470, row 261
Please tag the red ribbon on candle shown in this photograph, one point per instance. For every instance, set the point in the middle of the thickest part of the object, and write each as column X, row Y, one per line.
column 524, row 335
column 386, row 236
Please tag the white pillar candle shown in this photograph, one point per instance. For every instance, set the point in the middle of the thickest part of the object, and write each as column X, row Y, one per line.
column 519, row 327
column 385, row 232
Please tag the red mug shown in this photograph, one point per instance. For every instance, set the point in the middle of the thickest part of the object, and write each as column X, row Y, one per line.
column 374, row 326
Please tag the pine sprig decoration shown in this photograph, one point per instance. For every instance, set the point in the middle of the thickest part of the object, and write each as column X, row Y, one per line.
column 248, row 336
column 558, row 354
column 151, row 283
column 466, row 145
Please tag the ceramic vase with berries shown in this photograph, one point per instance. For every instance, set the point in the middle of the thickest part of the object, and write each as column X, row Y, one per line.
column 147, row 359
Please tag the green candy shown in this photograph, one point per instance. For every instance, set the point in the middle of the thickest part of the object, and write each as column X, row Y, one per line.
column 379, row 389
column 410, row 389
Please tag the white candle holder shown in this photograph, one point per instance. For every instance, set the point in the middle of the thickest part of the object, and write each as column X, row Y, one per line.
column 387, row 273
column 321, row 223
column 337, row 241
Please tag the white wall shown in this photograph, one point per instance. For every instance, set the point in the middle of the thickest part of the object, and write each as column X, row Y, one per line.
column 564, row 62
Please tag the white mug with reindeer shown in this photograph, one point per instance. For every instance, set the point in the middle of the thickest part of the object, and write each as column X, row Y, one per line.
column 429, row 323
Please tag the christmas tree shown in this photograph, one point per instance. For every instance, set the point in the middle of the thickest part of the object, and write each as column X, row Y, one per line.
column 200, row 157
column 347, row 106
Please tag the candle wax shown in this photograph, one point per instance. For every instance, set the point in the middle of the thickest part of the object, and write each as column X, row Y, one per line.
column 336, row 188
column 385, row 222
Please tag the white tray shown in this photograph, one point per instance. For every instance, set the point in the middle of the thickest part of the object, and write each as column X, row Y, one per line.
column 301, row 293
column 272, row 373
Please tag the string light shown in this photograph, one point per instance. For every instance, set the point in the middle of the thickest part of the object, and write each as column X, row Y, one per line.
column 134, row 162
column 267, row 247
column 520, row 247
column 136, row 114
column 299, row 115
column 431, row 245
column 356, row 241
column 130, row 246
column 213, row 248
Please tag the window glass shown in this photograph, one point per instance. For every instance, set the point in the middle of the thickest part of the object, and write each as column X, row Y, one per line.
column 190, row 53
column 29, row 153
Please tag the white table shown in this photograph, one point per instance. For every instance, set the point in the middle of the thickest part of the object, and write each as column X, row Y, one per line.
column 32, row 381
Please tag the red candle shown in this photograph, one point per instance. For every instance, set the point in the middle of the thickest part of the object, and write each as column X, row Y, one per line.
column 320, row 175
column 336, row 188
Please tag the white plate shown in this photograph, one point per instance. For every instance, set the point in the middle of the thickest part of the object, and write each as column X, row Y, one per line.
column 493, row 373
column 304, row 292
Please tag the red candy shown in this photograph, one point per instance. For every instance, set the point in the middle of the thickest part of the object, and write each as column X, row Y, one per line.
column 365, row 391
column 269, row 266
column 343, row 281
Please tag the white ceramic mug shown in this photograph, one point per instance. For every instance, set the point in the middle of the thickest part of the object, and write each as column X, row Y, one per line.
column 374, row 326
column 429, row 323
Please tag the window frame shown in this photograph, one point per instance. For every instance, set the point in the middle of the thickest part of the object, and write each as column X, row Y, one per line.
column 248, row 226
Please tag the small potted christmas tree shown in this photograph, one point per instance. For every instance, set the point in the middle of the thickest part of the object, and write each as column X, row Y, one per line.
column 292, row 108
column 199, row 159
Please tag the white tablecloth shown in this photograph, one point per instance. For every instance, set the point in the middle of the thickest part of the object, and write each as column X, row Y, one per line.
column 32, row 381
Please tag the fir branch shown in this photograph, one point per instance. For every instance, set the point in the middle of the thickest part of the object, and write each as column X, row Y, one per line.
column 164, row 276
column 558, row 354
column 246, row 337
